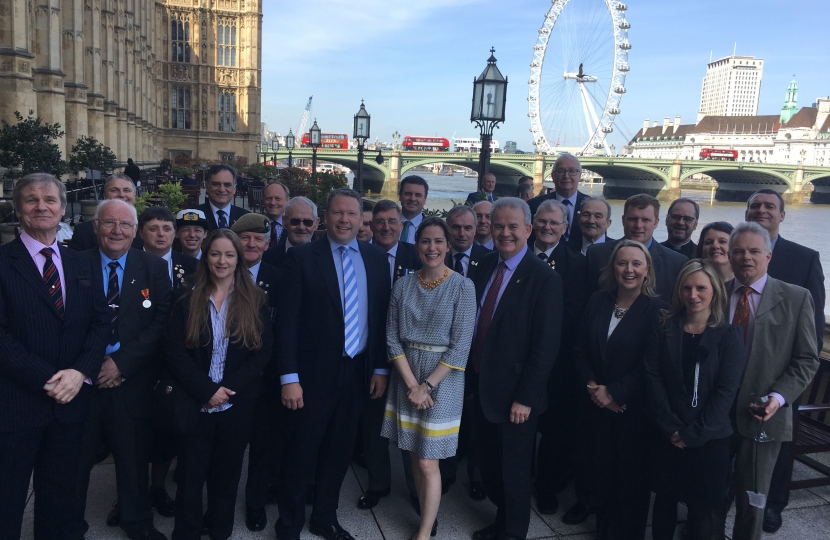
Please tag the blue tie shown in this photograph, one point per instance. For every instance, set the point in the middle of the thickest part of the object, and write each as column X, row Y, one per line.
column 351, row 318
column 223, row 222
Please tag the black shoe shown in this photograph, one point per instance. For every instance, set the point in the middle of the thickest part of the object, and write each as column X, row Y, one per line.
column 309, row 495
column 445, row 485
column 255, row 519
column 434, row 530
column 114, row 517
column 772, row 520
column 416, row 504
column 162, row 502
column 491, row 532
column 477, row 491
column 145, row 532
column 547, row 505
column 329, row 532
column 577, row 514
column 371, row 498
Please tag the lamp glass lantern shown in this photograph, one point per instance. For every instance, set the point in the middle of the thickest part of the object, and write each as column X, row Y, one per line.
column 275, row 145
column 258, row 148
column 289, row 140
column 314, row 134
column 361, row 124
column 489, row 93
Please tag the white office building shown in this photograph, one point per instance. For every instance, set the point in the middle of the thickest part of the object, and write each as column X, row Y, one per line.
column 731, row 87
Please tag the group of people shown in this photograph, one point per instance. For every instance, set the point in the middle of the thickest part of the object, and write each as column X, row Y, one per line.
column 645, row 367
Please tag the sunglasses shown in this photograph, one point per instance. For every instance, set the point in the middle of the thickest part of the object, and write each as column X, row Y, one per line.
column 296, row 221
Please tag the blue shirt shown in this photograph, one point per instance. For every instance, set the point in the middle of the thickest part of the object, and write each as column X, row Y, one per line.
column 220, row 346
column 119, row 271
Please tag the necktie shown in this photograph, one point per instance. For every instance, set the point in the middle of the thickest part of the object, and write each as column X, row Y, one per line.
column 52, row 279
column 567, row 202
column 543, row 257
column 391, row 260
column 458, row 267
column 223, row 222
column 742, row 312
column 351, row 317
column 486, row 316
column 276, row 232
column 113, row 299
column 405, row 232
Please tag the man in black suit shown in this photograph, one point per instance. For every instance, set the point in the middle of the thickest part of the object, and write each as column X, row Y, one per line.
column 413, row 193
column 364, row 233
column 513, row 351
column 566, row 174
column 556, row 463
column 328, row 369
column 797, row 265
column 157, row 228
column 46, row 352
column 594, row 220
column 274, row 198
column 464, row 254
column 488, row 186
column 640, row 219
column 301, row 222
column 117, row 186
column 219, row 191
column 681, row 222
column 483, row 237
column 138, row 289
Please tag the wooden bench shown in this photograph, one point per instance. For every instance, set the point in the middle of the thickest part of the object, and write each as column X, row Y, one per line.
column 811, row 431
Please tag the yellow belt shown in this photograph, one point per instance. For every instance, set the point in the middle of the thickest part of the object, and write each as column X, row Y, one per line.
column 425, row 347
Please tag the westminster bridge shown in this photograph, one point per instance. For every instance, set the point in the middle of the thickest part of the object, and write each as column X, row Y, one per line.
column 736, row 180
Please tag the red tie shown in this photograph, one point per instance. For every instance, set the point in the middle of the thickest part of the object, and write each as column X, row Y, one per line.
column 52, row 279
column 741, row 316
column 486, row 316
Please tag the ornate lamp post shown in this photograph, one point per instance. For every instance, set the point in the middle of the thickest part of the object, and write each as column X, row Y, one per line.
column 289, row 143
column 275, row 146
column 489, row 97
column 396, row 136
column 258, row 149
column 314, row 141
column 361, row 133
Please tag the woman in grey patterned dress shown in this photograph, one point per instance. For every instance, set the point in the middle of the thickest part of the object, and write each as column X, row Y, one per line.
column 428, row 334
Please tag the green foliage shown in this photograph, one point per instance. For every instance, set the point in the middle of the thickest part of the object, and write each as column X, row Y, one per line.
column 89, row 153
column 319, row 191
column 172, row 196
column 166, row 164
column 296, row 180
column 28, row 145
column 261, row 170
column 439, row 213
column 180, row 170
column 142, row 202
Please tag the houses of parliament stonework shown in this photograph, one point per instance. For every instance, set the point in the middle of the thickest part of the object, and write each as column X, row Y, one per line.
column 148, row 78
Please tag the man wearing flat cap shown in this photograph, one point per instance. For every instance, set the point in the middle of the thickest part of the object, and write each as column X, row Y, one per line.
column 191, row 230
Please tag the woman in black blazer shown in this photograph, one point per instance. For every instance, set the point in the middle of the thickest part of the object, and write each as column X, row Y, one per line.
column 619, row 322
column 692, row 377
column 217, row 345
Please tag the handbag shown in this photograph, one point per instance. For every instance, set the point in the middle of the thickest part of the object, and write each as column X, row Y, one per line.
column 181, row 410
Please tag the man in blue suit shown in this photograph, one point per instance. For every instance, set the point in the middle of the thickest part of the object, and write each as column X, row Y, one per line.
column 53, row 331
column 488, row 185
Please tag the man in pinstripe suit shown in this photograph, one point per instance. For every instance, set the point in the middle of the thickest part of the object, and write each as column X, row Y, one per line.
column 53, row 327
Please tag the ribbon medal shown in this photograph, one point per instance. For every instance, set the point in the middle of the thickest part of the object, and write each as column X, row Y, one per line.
column 146, row 294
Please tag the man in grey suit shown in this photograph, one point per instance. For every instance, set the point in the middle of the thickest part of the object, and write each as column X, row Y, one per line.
column 641, row 215
column 780, row 338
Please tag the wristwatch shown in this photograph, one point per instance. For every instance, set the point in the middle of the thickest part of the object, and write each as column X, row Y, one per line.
column 430, row 387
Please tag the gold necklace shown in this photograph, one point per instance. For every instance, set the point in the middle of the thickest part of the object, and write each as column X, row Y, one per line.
column 429, row 285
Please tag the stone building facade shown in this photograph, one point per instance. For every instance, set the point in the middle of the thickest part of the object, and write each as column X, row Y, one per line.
column 148, row 78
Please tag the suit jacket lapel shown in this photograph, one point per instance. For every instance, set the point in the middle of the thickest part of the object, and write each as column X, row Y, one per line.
column 558, row 259
column 513, row 287
column 372, row 275
column 606, row 312
column 772, row 296
column 325, row 261
column 27, row 268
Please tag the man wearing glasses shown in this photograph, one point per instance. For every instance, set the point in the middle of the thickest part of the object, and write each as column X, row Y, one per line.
column 566, row 174
column 681, row 222
column 302, row 220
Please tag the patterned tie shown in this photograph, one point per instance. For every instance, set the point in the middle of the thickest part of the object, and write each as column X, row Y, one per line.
column 276, row 232
column 567, row 202
column 52, row 279
column 223, row 222
column 458, row 267
column 485, row 317
column 742, row 312
column 351, row 318
column 543, row 257
column 113, row 299
column 405, row 232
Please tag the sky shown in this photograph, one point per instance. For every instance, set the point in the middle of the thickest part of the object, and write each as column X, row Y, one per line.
column 414, row 62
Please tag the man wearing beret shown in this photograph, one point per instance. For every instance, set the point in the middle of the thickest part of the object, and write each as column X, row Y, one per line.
column 191, row 230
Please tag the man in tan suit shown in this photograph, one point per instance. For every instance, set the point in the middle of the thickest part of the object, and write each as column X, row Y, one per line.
column 780, row 338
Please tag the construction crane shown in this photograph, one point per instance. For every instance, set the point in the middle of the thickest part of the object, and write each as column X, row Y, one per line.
column 304, row 120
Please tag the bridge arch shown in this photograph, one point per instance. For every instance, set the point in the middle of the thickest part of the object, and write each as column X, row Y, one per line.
column 821, row 186
column 507, row 172
column 737, row 183
column 624, row 177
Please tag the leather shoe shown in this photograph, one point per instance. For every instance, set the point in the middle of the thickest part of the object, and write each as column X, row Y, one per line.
column 255, row 519
column 547, row 505
column 146, row 532
column 491, row 532
column 162, row 502
column 329, row 532
column 477, row 491
column 577, row 514
column 772, row 520
column 114, row 517
column 371, row 498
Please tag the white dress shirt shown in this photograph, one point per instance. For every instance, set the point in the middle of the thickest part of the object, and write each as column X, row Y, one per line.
column 226, row 209
column 465, row 260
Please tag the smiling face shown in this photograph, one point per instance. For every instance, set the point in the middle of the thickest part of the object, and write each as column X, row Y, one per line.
column 566, row 176
column 765, row 210
column 386, row 228
column 158, row 236
column 253, row 246
column 433, row 247
column 639, row 223
column 593, row 219
column 549, row 226
column 365, row 232
column 716, row 246
column 273, row 201
column 749, row 257
column 115, row 228
column 482, row 210
column 191, row 238
column 220, row 189
column 40, row 209
column 630, row 268
column 343, row 219
column 681, row 223
column 301, row 224
column 413, row 198
column 510, row 233
column 697, row 293
column 463, row 229
column 221, row 259
column 118, row 188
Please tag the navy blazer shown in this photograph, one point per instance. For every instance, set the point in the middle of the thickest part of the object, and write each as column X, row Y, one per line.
column 236, row 213
column 184, row 266
column 406, row 258
column 35, row 342
column 275, row 256
column 575, row 232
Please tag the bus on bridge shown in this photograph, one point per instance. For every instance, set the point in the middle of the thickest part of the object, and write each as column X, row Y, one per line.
column 332, row 141
column 719, row 154
column 425, row 144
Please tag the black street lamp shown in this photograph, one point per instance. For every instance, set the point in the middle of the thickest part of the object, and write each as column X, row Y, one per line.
column 258, row 148
column 489, row 97
column 361, row 133
column 289, row 143
column 275, row 146
column 314, row 142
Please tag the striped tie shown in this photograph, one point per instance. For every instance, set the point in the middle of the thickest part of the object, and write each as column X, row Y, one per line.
column 351, row 316
column 113, row 299
column 52, row 279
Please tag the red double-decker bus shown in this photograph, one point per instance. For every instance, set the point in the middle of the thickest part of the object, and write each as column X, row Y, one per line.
column 425, row 144
column 721, row 154
column 328, row 140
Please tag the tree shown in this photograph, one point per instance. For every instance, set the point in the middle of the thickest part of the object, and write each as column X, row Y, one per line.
column 28, row 145
column 89, row 153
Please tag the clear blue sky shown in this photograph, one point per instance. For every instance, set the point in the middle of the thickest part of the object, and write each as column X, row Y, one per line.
column 414, row 62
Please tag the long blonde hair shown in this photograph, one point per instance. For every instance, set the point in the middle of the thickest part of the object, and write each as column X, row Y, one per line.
column 677, row 311
column 608, row 281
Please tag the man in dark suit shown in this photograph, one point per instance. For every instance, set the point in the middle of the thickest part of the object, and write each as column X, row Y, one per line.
column 219, row 191
column 640, row 218
column 681, row 222
column 413, row 193
column 594, row 220
column 46, row 352
column 118, row 186
column 488, row 186
column 138, row 289
column 512, row 354
column 464, row 254
column 157, row 228
column 797, row 265
column 274, row 198
column 327, row 370
column 559, row 425
column 301, row 223
column 566, row 174
column 483, row 237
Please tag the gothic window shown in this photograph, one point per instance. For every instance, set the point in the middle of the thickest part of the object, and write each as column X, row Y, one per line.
column 180, row 40
column 180, row 107
column 226, row 50
column 227, row 111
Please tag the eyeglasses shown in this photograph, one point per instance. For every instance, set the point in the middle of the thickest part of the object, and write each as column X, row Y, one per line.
column 381, row 222
column 684, row 219
column 571, row 172
column 546, row 222
column 296, row 222
column 111, row 223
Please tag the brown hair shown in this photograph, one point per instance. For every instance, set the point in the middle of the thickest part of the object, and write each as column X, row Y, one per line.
column 719, row 296
column 608, row 281
column 243, row 324
column 640, row 201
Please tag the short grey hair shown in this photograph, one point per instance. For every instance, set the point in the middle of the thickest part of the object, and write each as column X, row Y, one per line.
column 514, row 203
column 303, row 201
column 37, row 178
column 549, row 205
column 607, row 204
column 109, row 202
column 750, row 227
column 118, row 176
column 456, row 211
column 567, row 155
column 523, row 189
